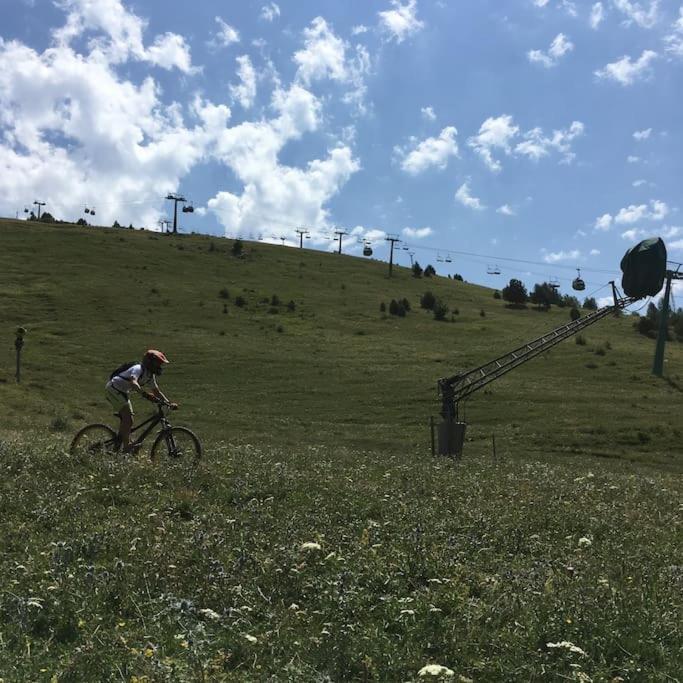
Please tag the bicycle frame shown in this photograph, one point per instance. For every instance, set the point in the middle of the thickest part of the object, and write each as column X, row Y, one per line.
column 152, row 421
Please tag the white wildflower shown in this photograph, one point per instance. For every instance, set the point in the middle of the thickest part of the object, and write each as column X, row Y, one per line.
column 210, row 614
column 585, row 542
column 435, row 670
column 250, row 638
column 310, row 545
column 566, row 645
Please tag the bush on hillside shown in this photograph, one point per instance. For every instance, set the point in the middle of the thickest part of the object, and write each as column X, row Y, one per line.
column 291, row 306
column 397, row 308
column 580, row 340
column 406, row 303
column 237, row 248
column 240, row 301
column 574, row 314
column 458, row 277
column 515, row 293
column 47, row 218
column 417, row 269
column 647, row 326
column 429, row 271
column 382, row 307
column 224, row 293
column 427, row 301
column 590, row 304
column 81, row 221
column 482, row 313
column 440, row 310
column 275, row 300
column 496, row 294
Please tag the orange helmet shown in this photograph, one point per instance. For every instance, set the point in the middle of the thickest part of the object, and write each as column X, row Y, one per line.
column 154, row 358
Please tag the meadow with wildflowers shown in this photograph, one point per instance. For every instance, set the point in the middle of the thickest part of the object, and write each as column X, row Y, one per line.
column 318, row 540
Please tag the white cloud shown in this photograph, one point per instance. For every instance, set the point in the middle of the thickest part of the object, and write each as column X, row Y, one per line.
column 674, row 41
column 540, row 3
column 604, row 222
column 400, row 22
column 639, row 182
column 641, row 135
column 245, row 92
column 555, row 256
column 226, row 34
column 506, row 210
column 595, row 252
column 597, row 15
column 632, row 159
column 494, row 134
column 657, row 211
column 677, row 245
column 558, row 48
column 625, row 71
column 359, row 30
column 324, row 56
column 570, row 8
column 633, row 234
column 428, row 113
column 464, row 196
column 671, row 231
column 270, row 12
column 120, row 35
column 417, row 233
column 432, row 152
column 536, row 145
column 636, row 13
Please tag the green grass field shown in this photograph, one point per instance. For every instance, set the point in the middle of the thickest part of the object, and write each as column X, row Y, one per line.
column 315, row 426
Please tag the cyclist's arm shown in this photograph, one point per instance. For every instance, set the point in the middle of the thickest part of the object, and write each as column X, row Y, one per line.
column 150, row 395
column 159, row 394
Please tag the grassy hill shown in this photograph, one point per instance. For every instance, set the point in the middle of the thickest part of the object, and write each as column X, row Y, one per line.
column 319, row 540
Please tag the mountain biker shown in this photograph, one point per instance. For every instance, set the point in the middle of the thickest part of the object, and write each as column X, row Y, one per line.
column 135, row 377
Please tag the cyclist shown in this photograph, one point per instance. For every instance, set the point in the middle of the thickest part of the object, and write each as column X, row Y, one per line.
column 134, row 377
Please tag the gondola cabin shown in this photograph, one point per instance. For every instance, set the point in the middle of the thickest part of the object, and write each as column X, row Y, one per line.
column 578, row 284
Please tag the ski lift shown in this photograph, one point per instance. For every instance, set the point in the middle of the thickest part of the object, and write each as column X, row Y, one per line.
column 189, row 208
column 493, row 270
column 25, row 209
column 367, row 249
column 438, row 257
column 578, row 284
column 405, row 248
column 448, row 259
column 86, row 210
column 554, row 283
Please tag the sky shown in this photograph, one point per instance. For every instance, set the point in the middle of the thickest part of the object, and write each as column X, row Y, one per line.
column 533, row 137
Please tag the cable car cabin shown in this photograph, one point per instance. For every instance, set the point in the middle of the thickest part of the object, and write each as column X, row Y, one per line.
column 188, row 209
column 367, row 251
column 493, row 270
column 577, row 283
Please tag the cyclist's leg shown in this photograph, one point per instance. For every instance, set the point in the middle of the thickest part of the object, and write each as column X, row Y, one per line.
column 123, row 409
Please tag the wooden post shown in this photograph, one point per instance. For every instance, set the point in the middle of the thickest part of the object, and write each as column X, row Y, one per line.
column 495, row 458
column 431, row 426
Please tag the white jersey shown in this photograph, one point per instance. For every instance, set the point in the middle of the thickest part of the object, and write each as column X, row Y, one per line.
column 123, row 381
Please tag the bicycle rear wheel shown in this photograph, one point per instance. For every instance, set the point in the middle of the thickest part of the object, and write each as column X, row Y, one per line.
column 94, row 440
column 177, row 444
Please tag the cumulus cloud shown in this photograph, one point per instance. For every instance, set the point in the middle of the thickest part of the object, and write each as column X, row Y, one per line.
column 642, row 14
column 641, row 135
column 494, row 134
column 603, row 222
column 270, row 12
column 595, row 252
column 657, row 210
column 625, row 71
column 120, row 35
column 326, row 56
column 674, row 41
column 430, row 153
column 464, row 196
column 633, row 234
column 428, row 113
column 400, row 22
column 500, row 133
column 417, row 233
column 597, row 15
column 555, row 256
column 245, row 91
column 537, row 145
column 560, row 46
column 639, row 182
column 225, row 35
column 632, row 159
column 506, row 210
column 540, row 3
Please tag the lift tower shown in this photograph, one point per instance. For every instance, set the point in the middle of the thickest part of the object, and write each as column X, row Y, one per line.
column 175, row 198
column 658, row 365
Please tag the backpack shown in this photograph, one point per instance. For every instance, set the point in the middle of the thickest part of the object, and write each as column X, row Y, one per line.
column 122, row 368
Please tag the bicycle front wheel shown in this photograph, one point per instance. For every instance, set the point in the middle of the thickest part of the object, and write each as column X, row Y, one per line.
column 94, row 440
column 177, row 444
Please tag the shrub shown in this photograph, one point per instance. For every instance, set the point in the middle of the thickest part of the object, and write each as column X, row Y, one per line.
column 240, row 301
column 574, row 314
column 427, row 301
column 406, row 304
column 237, row 248
column 496, row 294
column 224, row 293
column 482, row 313
column 515, row 292
column 81, row 221
column 417, row 269
column 600, row 351
column 382, row 307
column 291, row 306
column 397, row 308
column 212, row 247
column 429, row 271
column 456, row 311
column 580, row 340
column 275, row 300
column 590, row 304
column 646, row 326
column 280, row 329
column 116, row 224
column 225, row 308
column 47, row 218
column 59, row 424
column 440, row 310
column 458, row 277
column 273, row 310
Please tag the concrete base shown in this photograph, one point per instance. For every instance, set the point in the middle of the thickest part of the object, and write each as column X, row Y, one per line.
column 451, row 437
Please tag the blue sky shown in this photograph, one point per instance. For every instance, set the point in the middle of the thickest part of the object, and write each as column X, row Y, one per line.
column 545, row 131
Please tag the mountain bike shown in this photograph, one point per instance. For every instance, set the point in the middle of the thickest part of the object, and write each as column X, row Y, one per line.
column 172, row 442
